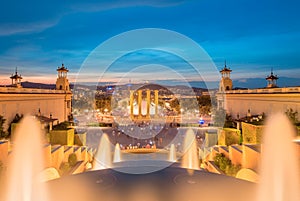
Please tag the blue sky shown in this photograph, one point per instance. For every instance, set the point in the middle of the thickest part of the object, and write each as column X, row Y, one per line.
column 252, row 36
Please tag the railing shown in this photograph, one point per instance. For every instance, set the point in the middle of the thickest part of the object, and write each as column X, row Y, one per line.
column 30, row 90
column 271, row 90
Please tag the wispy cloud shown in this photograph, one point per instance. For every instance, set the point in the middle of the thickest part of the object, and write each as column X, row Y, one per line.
column 8, row 29
column 93, row 6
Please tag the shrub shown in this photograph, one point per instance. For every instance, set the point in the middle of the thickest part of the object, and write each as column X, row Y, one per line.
column 64, row 169
column 232, row 170
column 225, row 165
column 62, row 126
column 72, row 160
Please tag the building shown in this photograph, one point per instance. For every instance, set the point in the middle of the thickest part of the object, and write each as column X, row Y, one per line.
column 245, row 102
column 49, row 103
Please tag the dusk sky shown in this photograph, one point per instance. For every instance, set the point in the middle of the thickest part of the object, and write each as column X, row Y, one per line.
column 253, row 36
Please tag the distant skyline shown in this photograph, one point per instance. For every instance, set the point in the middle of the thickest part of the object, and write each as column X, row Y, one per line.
column 252, row 36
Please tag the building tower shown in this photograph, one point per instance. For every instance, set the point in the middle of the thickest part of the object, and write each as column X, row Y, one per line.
column 226, row 82
column 272, row 80
column 16, row 79
column 62, row 82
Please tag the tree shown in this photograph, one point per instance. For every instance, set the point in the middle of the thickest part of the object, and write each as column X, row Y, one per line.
column 2, row 122
column 62, row 126
column 292, row 115
column 16, row 119
column 226, row 165
column 219, row 117
column 72, row 160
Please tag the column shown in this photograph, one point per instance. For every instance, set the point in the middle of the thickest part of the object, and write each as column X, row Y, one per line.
column 156, row 102
column 140, row 102
column 131, row 104
column 148, row 103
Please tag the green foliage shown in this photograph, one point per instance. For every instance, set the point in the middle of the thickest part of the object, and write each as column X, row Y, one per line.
column 229, row 136
column 72, row 160
column 2, row 122
column 205, row 104
column 252, row 133
column 64, row 169
column 189, row 104
column 232, row 170
column 204, row 100
column 174, row 104
column 219, row 117
column 225, row 165
column 292, row 115
column 221, row 161
column 16, row 119
column 229, row 122
column 62, row 126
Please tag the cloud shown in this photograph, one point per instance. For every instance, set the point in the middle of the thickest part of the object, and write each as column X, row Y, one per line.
column 96, row 5
column 25, row 28
column 243, row 80
column 21, row 18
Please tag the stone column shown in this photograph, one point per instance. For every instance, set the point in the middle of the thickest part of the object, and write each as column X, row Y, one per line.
column 156, row 102
column 140, row 102
column 148, row 103
column 131, row 104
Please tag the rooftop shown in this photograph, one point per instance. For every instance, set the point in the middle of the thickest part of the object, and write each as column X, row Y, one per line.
column 264, row 90
column 13, row 90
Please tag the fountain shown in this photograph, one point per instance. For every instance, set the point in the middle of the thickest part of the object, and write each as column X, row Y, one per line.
column 279, row 175
column 190, row 159
column 117, row 154
column 26, row 164
column 172, row 154
column 103, row 158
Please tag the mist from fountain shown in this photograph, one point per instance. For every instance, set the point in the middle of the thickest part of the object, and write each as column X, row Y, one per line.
column 117, row 154
column 103, row 158
column 172, row 154
column 190, row 159
column 26, row 163
column 279, row 172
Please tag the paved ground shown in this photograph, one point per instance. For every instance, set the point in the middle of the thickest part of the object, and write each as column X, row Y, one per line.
column 169, row 184
column 161, row 136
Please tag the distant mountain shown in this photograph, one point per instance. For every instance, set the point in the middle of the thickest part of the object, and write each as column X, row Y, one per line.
column 37, row 85
column 197, row 86
column 252, row 83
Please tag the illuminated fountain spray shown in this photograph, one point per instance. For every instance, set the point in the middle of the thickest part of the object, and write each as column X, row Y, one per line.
column 103, row 158
column 172, row 154
column 26, row 164
column 280, row 178
column 190, row 159
column 117, row 154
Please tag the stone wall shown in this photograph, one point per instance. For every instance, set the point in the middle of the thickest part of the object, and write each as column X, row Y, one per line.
column 211, row 139
column 80, row 139
column 57, row 156
column 252, row 134
column 62, row 137
column 29, row 101
column 229, row 136
column 251, row 156
column 236, row 155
